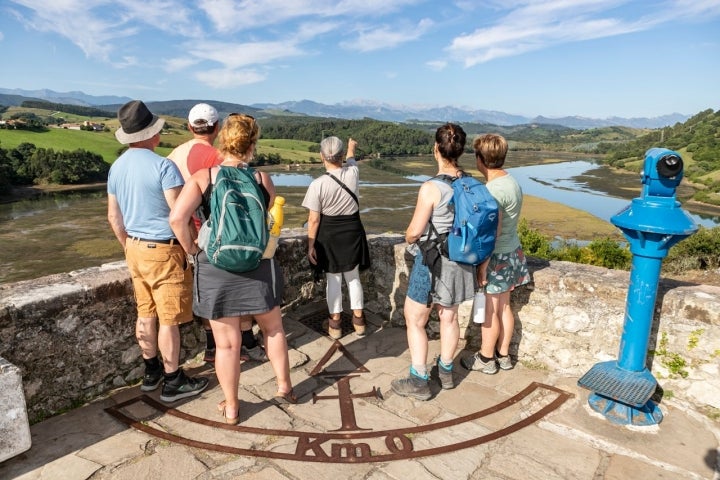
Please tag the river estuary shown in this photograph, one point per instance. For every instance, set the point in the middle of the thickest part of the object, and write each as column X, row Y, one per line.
column 62, row 232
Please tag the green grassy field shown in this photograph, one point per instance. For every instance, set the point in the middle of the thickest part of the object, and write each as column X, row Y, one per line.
column 105, row 144
column 102, row 143
column 296, row 151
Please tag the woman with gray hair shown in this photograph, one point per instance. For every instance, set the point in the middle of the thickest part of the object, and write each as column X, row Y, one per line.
column 337, row 245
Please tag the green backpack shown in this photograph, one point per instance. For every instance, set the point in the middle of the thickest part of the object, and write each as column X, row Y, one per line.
column 235, row 235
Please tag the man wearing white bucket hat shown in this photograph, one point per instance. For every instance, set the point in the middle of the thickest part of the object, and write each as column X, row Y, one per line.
column 142, row 187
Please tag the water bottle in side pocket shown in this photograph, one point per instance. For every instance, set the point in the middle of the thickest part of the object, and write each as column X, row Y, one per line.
column 479, row 306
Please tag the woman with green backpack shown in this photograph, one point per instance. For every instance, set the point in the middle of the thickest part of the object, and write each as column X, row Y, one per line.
column 226, row 287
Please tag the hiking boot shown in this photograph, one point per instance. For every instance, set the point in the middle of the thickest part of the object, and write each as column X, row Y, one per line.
column 505, row 362
column 411, row 386
column 475, row 363
column 256, row 354
column 182, row 387
column 209, row 356
column 151, row 380
column 445, row 376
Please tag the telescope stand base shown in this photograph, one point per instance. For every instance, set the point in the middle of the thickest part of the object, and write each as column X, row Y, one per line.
column 623, row 414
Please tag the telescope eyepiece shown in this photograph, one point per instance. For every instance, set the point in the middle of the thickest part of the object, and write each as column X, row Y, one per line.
column 669, row 166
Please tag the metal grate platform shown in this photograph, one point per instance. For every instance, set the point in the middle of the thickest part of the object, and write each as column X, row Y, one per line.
column 317, row 322
column 608, row 380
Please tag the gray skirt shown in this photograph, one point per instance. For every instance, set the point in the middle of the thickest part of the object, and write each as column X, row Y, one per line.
column 218, row 293
column 455, row 283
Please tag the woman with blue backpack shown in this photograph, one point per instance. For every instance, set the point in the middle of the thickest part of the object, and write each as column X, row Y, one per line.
column 444, row 289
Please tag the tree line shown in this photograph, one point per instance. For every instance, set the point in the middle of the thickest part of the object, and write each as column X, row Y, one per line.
column 29, row 165
column 66, row 108
column 384, row 138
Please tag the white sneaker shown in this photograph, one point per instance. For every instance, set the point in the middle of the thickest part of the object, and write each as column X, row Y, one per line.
column 475, row 363
column 505, row 363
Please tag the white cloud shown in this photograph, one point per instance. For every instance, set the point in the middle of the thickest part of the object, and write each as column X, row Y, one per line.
column 236, row 55
column 228, row 78
column 535, row 25
column 1, row 36
column 387, row 36
column 73, row 20
column 308, row 31
column 98, row 27
column 437, row 65
column 126, row 61
column 233, row 15
column 177, row 64
column 170, row 16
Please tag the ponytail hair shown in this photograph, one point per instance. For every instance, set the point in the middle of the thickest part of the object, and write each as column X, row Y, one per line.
column 450, row 139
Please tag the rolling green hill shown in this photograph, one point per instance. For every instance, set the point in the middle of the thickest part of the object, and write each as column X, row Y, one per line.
column 698, row 142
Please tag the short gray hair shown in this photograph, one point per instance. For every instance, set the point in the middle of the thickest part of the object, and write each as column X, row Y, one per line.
column 331, row 149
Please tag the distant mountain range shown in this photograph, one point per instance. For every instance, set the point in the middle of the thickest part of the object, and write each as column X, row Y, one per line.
column 357, row 110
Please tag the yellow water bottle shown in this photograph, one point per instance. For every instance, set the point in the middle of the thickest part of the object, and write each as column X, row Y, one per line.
column 275, row 222
column 276, row 212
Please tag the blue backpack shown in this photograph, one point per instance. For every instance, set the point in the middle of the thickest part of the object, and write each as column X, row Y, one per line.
column 235, row 235
column 472, row 237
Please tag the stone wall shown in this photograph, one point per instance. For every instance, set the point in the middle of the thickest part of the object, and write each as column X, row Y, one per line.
column 72, row 335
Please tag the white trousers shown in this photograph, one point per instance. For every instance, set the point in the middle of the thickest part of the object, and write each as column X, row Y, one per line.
column 334, row 290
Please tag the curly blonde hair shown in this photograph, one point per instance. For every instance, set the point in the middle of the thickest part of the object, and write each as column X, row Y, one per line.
column 238, row 133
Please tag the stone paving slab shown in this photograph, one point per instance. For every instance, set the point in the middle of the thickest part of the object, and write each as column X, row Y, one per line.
column 571, row 442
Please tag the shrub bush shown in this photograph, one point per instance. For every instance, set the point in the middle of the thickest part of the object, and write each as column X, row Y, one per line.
column 533, row 242
column 699, row 251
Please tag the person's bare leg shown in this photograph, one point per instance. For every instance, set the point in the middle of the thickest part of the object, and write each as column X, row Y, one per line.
column 491, row 327
column 146, row 334
column 507, row 325
column 449, row 333
column 169, row 344
column 277, row 350
column 416, row 317
column 227, row 361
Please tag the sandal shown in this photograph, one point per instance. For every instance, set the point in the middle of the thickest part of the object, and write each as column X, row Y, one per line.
column 285, row 398
column 359, row 325
column 334, row 328
column 222, row 408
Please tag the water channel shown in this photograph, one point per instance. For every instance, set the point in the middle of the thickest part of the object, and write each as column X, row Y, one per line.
column 62, row 232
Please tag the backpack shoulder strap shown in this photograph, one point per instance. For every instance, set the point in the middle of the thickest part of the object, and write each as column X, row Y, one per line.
column 345, row 187
column 444, row 178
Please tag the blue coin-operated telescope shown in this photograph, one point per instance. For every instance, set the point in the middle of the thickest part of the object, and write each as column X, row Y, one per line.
column 652, row 224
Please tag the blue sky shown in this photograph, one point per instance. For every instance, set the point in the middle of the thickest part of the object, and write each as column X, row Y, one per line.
column 592, row 58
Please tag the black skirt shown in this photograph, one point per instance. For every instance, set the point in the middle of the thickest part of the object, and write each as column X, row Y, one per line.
column 341, row 244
